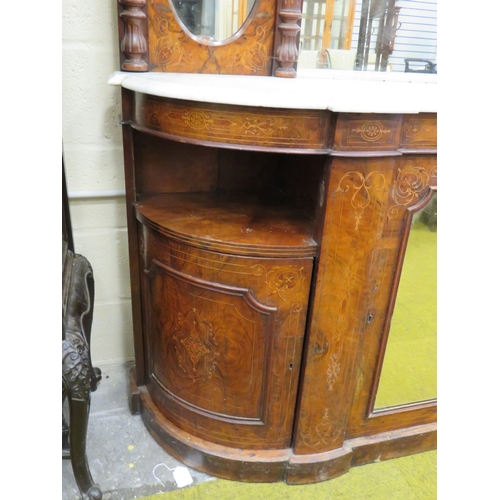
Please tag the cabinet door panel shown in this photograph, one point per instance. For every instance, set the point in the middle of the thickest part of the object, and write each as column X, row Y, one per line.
column 209, row 344
column 224, row 337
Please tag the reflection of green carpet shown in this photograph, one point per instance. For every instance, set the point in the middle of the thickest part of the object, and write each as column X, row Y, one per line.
column 410, row 365
column 406, row 478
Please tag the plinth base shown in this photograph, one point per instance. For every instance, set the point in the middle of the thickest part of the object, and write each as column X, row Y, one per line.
column 267, row 466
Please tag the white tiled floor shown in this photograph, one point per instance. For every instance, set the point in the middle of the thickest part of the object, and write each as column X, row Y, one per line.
column 121, row 453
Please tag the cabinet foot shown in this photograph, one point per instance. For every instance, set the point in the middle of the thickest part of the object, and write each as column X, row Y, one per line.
column 318, row 467
column 134, row 395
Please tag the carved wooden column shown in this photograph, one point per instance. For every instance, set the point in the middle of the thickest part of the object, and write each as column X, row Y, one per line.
column 133, row 41
column 287, row 53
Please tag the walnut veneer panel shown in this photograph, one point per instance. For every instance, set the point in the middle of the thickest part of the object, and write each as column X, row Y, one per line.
column 223, row 340
column 236, row 125
column 173, row 49
column 419, row 131
column 356, row 189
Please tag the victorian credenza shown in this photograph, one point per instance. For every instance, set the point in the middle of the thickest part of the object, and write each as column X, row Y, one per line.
column 268, row 221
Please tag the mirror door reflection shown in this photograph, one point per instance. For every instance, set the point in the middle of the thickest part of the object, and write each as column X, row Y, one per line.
column 369, row 35
column 409, row 369
column 213, row 20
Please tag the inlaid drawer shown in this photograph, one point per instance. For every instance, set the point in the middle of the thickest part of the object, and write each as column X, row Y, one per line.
column 419, row 131
column 376, row 132
column 367, row 132
column 242, row 126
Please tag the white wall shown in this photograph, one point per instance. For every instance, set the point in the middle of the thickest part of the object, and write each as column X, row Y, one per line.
column 93, row 158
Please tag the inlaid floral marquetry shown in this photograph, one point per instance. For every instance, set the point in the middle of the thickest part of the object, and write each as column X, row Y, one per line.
column 230, row 125
column 174, row 49
column 323, row 433
column 367, row 132
column 195, row 345
column 286, row 282
column 372, row 131
column 359, row 186
column 414, row 177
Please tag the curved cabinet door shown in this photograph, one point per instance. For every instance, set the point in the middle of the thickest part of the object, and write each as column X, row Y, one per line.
column 223, row 340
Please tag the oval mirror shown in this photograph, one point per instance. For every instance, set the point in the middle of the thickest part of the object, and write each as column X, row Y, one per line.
column 213, row 20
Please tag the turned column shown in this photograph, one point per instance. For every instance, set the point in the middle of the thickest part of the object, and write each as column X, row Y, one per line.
column 287, row 53
column 133, row 41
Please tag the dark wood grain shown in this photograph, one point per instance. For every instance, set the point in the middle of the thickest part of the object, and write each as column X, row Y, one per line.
column 133, row 34
column 128, row 99
column 173, row 167
column 287, row 50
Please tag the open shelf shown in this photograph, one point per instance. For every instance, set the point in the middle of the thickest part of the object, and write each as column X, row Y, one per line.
column 235, row 223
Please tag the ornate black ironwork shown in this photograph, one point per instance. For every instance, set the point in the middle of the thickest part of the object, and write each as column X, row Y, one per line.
column 79, row 378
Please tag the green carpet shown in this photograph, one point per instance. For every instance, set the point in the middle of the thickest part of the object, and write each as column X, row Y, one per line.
column 406, row 478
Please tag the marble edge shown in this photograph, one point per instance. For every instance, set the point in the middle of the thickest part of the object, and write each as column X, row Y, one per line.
column 117, row 78
column 339, row 94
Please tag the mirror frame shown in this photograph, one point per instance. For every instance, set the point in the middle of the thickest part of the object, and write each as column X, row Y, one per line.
column 415, row 175
column 217, row 43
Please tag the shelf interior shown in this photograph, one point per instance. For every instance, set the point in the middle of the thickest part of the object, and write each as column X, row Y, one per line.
column 252, row 224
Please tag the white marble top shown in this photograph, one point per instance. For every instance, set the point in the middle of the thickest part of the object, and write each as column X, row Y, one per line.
column 340, row 91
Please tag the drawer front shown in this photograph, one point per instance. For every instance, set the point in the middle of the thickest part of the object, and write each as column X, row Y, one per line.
column 378, row 132
column 223, row 340
column 367, row 132
column 234, row 125
column 419, row 131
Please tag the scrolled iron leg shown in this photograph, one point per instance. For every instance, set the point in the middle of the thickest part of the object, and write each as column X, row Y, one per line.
column 77, row 379
column 79, row 411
